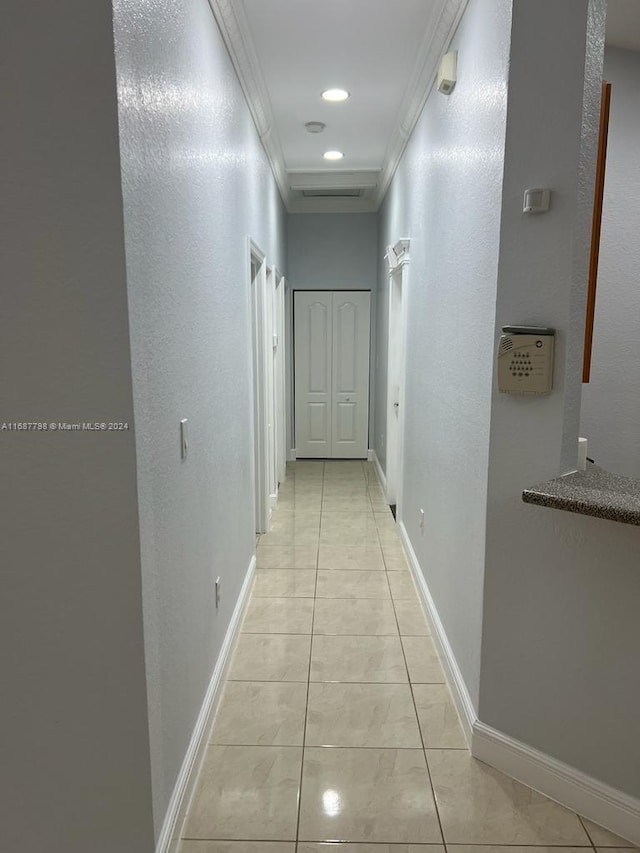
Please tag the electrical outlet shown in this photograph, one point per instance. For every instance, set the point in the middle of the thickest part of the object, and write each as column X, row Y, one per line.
column 421, row 521
column 218, row 584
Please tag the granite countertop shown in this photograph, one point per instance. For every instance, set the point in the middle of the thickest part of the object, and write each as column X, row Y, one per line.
column 591, row 492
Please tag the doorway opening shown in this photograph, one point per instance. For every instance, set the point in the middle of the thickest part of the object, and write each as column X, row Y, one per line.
column 270, row 314
column 398, row 260
column 280, row 378
column 258, row 287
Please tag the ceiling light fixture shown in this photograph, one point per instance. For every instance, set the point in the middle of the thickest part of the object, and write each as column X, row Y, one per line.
column 333, row 155
column 315, row 126
column 335, row 95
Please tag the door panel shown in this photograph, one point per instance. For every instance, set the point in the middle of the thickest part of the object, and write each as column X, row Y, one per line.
column 318, row 318
column 350, row 396
column 346, row 331
column 345, row 426
column 319, row 422
column 312, row 365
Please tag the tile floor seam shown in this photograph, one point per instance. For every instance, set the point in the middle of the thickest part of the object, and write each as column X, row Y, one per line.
column 588, row 834
column 306, row 709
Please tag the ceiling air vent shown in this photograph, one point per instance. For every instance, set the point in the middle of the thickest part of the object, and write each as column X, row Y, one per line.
column 337, row 192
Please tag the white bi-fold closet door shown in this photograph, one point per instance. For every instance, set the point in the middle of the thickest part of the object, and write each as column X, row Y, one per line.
column 331, row 365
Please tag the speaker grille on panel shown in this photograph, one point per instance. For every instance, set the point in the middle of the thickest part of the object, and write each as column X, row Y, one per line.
column 506, row 344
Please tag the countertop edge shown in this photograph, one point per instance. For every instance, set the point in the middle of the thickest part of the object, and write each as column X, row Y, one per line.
column 593, row 492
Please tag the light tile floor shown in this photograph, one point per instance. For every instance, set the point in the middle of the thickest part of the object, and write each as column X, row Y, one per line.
column 336, row 732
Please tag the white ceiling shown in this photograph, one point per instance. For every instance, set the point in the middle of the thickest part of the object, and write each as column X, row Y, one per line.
column 384, row 52
column 307, row 46
column 623, row 24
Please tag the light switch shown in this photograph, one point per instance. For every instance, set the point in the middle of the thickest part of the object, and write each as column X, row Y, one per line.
column 184, row 446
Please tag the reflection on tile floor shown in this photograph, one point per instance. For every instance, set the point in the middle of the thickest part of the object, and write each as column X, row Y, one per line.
column 336, row 732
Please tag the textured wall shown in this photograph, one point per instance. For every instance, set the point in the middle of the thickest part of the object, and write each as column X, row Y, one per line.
column 611, row 401
column 561, row 632
column 196, row 182
column 75, row 756
column 445, row 197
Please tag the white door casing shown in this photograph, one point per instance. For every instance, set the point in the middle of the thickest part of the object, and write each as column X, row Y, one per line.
column 269, row 355
column 398, row 261
column 331, row 366
column 257, row 291
column 280, row 375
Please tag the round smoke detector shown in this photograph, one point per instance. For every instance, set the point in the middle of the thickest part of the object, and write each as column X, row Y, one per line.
column 315, row 126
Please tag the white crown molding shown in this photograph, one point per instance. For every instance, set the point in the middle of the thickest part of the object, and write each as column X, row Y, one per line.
column 434, row 45
column 234, row 27
column 398, row 256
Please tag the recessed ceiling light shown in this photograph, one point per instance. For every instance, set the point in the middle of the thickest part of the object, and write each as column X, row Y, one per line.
column 333, row 155
column 315, row 126
column 335, row 95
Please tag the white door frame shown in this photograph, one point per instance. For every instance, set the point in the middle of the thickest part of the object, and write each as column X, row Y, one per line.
column 257, row 292
column 289, row 376
column 270, row 385
column 398, row 261
column 280, row 380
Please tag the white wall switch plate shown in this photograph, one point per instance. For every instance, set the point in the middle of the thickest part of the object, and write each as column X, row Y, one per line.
column 184, row 444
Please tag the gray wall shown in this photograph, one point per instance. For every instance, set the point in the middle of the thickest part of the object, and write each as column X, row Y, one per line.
column 445, row 197
column 75, row 755
column 611, row 401
column 196, row 182
column 333, row 251
column 562, row 593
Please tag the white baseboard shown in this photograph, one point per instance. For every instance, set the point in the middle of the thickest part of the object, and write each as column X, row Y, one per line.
column 370, row 455
column 600, row 803
column 291, row 456
column 461, row 697
column 188, row 775
column 273, row 501
column 379, row 472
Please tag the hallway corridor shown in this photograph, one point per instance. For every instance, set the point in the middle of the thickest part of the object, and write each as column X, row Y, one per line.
column 336, row 723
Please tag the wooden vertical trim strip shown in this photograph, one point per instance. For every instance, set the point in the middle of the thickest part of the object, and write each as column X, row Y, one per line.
column 596, row 229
